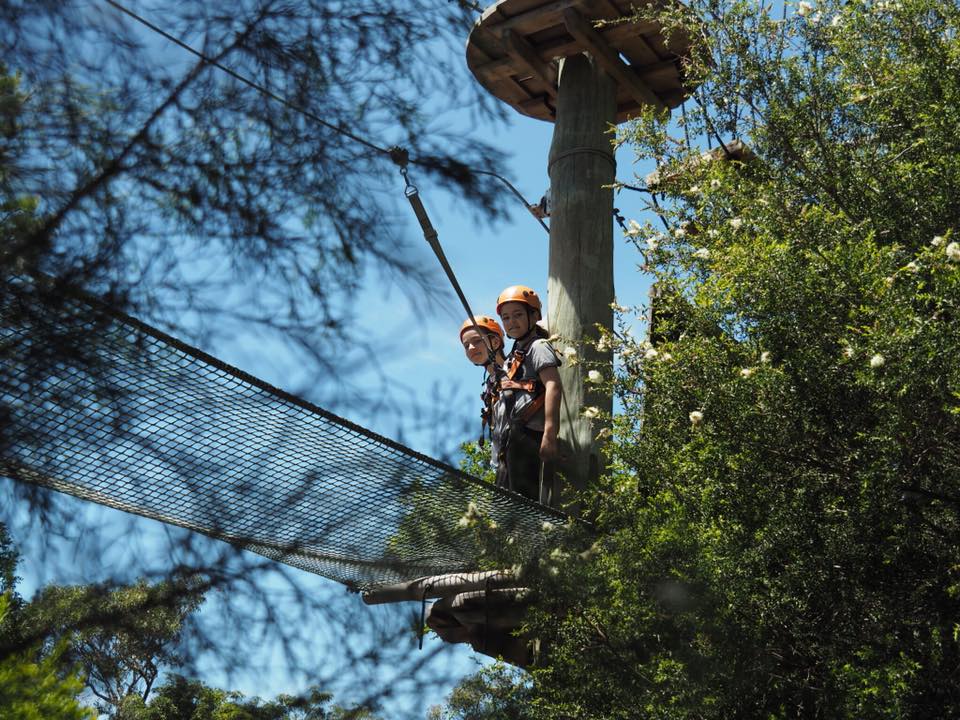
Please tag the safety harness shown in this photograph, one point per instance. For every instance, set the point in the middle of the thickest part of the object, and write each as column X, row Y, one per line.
column 530, row 385
column 489, row 397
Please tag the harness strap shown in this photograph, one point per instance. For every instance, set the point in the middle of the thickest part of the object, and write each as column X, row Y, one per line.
column 489, row 397
column 532, row 409
column 516, row 363
column 532, row 386
column 529, row 386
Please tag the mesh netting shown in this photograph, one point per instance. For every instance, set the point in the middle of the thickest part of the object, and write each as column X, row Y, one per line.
column 103, row 407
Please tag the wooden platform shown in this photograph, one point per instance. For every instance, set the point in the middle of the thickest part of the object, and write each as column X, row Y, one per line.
column 513, row 50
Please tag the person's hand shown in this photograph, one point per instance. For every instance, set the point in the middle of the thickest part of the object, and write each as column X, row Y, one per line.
column 549, row 448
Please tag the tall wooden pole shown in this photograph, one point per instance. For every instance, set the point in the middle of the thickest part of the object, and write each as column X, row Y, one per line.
column 580, row 286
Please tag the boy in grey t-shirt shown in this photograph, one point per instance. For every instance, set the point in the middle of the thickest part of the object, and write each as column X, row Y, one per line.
column 527, row 416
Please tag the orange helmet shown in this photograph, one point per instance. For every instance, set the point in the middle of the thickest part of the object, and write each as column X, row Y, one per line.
column 521, row 294
column 483, row 321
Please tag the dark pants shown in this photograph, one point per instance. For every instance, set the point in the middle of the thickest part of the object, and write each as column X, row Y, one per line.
column 520, row 468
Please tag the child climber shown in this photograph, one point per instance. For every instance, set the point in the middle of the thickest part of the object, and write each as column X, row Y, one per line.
column 527, row 415
column 483, row 345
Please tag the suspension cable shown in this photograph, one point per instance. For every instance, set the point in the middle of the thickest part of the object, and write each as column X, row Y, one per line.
column 399, row 156
column 296, row 107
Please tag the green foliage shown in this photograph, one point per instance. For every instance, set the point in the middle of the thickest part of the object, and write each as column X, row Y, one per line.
column 8, row 562
column 18, row 213
column 497, row 692
column 38, row 689
column 436, row 526
column 121, row 637
column 475, row 461
column 179, row 698
column 781, row 516
column 34, row 684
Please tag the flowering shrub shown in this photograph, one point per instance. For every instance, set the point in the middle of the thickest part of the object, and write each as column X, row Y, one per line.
column 781, row 512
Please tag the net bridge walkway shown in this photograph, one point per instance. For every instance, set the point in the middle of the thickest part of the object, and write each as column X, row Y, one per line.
column 98, row 405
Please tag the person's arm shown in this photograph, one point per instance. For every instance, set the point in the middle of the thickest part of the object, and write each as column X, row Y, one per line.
column 553, row 393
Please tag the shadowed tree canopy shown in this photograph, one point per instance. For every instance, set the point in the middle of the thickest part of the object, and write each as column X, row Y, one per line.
column 778, row 525
column 142, row 173
column 177, row 190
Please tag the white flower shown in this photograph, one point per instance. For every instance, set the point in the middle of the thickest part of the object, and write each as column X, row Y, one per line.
column 680, row 232
column 492, row 524
column 746, row 372
column 714, row 184
column 516, row 570
column 650, row 354
column 953, row 252
column 836, row 21
column 633, row 229
column 591, row 412
column 702, row 253
column 696, row 417
column 570, row 353
column 766, row 356
column 594, row 376
column 558, row 555
column 694, row 190
column 653, row 242
column 469, row 518
column 713, row 232
column 547, row 526
column 815, row 18
column 589, row 552
column 937, row 240
column 848, row 352
column 911, row 267
column 666, row 357
column 804, row 8
column 877, row 361
column 553, row 570
column 603, row 344
column 736, row 223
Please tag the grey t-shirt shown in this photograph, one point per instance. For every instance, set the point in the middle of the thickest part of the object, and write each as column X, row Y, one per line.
column 540, row 355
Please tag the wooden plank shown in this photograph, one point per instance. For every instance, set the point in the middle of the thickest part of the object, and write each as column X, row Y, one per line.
column 609, row 59
column 608, row 9
column 538, row 107
column 524, row 53
column 638, row 51
column 530, row 20
column 438, row 586
column 503, row 66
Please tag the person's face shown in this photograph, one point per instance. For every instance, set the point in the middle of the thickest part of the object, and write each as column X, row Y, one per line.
column 516, row 318
column 475, row 348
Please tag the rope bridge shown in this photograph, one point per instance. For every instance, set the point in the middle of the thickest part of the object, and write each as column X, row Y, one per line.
column 101, row 406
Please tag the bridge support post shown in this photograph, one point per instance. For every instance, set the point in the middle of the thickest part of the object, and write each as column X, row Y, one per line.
column 580, row 288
